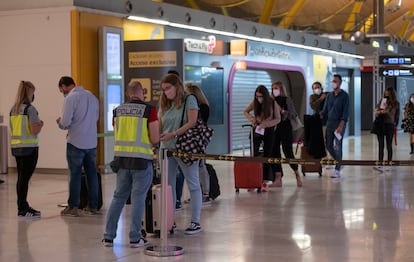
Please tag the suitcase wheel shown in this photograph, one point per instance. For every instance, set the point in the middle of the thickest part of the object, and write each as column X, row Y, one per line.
column 303, row 173
column 143, row 233
column 320, row 173
column 259, row 190
column 237, row 190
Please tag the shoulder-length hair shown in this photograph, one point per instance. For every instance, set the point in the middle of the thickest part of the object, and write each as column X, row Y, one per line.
column 24, row 95
column 195, row 90
column 264, row 108
column 281, row 88
column 165, row 103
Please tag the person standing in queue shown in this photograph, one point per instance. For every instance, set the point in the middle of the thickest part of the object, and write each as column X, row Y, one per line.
column 136, row 130
column 171, row 105
column 80, row 114
column 25, row 126
column 335, row 111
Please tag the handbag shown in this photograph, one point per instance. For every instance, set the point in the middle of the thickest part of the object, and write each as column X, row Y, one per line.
column 195, row 140
column 378, row 126
column 295, row 123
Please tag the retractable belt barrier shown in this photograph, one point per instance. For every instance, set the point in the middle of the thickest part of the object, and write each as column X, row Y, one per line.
column 270, row 160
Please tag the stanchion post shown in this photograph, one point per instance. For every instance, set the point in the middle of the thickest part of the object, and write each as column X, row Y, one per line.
column 164, row 250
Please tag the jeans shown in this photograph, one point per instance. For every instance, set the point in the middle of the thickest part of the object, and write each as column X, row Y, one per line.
column 25, row 167
column 193, row 182
column 78, row 158
column 129, row 182
column 334, row 145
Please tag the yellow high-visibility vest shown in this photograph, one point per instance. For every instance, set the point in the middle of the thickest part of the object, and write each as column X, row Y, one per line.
column 21, row 135
column 131, row 131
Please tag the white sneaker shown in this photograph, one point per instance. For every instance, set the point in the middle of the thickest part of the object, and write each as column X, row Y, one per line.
column 336, row 174
column 379, row 168
column 329, row 167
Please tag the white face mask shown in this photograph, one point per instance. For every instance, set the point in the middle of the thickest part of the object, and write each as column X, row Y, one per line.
column 260, row 100
column 334, row 85
column 276, row 92
column 317, row 91
column 412, row 100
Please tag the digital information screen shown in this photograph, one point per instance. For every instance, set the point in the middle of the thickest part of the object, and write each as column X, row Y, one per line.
column 114, row 96
column 113, row 56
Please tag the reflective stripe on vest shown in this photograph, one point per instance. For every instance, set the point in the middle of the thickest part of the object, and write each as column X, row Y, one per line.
column 20, row 132
column 128, row 143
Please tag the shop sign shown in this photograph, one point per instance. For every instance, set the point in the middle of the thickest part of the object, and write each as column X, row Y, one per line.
column 200, row 46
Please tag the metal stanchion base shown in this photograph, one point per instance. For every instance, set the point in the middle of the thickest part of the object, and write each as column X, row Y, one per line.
column 164, row 251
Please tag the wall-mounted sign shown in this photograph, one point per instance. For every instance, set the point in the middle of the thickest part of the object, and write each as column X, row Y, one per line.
column 396, row 60
column 238, row 47
column 393, row 72
column 200, row 46
column 152, row 59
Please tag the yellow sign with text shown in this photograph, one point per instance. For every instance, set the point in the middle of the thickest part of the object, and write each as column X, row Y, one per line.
column 152, row 59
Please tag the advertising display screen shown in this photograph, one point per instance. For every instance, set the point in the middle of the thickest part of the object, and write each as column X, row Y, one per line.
column 114, row 96
column 113, row 56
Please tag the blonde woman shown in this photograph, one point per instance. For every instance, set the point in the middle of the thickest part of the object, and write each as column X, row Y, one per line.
column 204, row 114
column 25, row 126
column 171, row 105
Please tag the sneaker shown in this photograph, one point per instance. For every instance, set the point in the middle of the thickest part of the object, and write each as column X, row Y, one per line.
column 329, row 167
column 30, row 212
column 140, row 243
column 178, row 205
column 91, row 211
column 379, row 168
column 206, row 200
column 194, row 228
column 70, row 212
column 336, row 174
column 107, row 242
column 187, row 201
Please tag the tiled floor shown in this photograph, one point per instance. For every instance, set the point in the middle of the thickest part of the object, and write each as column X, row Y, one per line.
column 364, row 216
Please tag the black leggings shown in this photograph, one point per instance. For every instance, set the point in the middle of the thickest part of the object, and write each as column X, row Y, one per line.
column 26, row 165
column 267, row 138
column 284, row 137
column 388, row 135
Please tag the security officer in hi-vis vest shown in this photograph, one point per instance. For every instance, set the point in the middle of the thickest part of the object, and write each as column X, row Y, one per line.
column 25, row 126
column 136, row 130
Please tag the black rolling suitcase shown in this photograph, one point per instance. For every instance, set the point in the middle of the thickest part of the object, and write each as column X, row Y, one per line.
column 84, row 192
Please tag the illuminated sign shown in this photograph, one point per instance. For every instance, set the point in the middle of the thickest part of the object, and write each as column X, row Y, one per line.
column 240, row 65
column 238, row 47
column 200, row 46
column 152, row 59
column 393, row 72
column 395, row 60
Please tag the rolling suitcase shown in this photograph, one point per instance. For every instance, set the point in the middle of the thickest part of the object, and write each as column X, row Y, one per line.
column 248, row 175
column 317, row 168
column 151, row 221
column 214, row 184
column 84, row 192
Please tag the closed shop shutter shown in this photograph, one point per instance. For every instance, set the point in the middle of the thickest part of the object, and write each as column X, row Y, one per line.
column 245, row 83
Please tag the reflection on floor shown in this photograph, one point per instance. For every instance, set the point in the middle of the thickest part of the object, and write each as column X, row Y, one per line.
column 364, row 216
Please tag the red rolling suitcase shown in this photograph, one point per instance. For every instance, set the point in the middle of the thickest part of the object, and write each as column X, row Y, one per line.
column 248, row 175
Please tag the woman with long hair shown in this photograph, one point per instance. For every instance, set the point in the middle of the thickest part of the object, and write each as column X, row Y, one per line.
column 284, row 132
column 388, row 109
column 25, row 126
column 171, row 105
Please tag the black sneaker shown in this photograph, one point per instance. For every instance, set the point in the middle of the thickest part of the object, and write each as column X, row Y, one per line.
column 206, row 200
column 30, row 212
column 194, row 228
column 107, row 242
column 140, row 243
column 178, row 205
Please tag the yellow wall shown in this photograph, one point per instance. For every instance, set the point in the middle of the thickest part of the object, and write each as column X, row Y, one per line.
column 85, row 49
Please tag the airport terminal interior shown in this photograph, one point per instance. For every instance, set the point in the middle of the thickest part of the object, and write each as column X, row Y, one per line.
column 366, row 215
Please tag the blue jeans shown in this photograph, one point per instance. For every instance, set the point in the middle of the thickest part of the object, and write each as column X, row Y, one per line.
column 129, row 182
column 78, row 158
column 193, row 182
column 334, row 145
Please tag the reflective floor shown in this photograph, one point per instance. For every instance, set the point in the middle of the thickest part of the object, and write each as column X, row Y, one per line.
column 366, row 215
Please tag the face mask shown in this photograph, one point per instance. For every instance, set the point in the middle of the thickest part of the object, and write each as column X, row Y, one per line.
column 412, row 100
column 334, row 85
column 170, row 93
column 260, row 100
column 317, row 91
column 276, row 92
